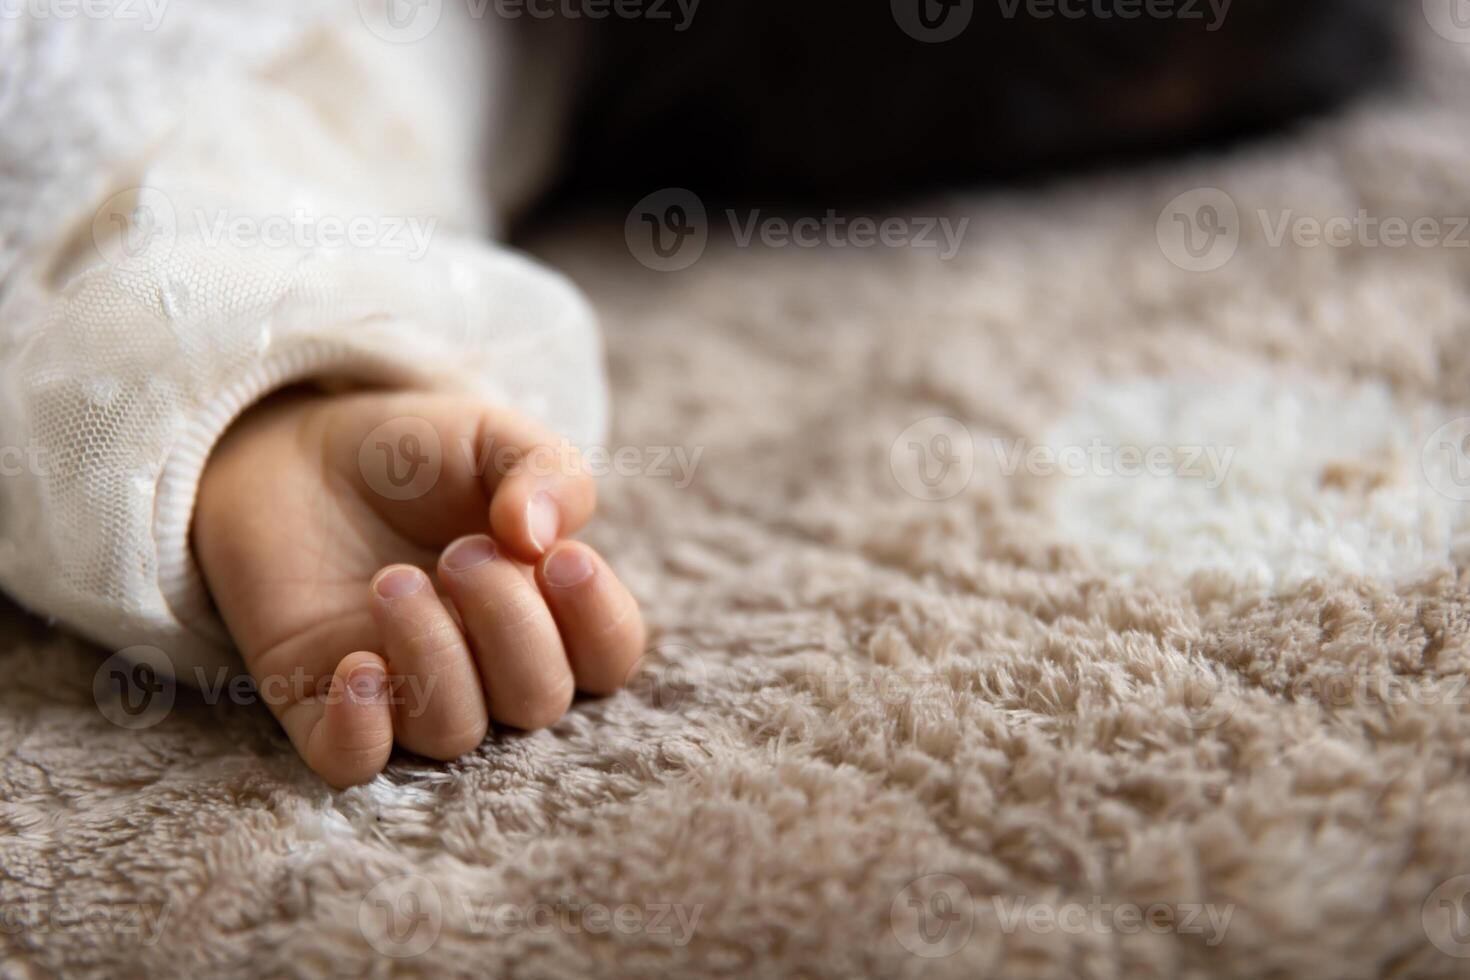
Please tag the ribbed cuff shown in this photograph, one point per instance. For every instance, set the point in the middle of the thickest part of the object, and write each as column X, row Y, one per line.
column 205, row 643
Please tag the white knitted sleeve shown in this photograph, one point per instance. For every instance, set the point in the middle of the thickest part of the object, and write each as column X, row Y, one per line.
column 204, row 209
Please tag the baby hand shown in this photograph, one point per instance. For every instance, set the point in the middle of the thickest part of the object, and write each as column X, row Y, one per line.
column 367, row 615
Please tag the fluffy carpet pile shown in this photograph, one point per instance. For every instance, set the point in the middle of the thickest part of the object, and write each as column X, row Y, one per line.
column 1093, row 602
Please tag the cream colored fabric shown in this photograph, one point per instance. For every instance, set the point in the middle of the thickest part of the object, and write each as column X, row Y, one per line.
column 207, row 204
column 1064, row 725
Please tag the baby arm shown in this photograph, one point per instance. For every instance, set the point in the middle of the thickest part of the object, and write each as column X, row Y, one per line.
column 249, row 199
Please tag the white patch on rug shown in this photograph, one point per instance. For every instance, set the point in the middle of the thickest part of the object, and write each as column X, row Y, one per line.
column 1269, row 482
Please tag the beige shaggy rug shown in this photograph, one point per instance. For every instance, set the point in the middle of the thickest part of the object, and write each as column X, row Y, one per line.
column 1093, row 602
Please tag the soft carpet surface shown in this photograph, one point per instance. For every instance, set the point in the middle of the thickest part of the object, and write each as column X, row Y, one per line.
column 1084, row 604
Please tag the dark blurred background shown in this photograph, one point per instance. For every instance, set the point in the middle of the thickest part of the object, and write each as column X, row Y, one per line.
column 840, row 99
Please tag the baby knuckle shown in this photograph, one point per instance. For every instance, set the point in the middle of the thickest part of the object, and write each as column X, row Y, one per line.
column 545, row 706
column 451, row 744
column 516, row 610
column 621, row 633
column 438, row 642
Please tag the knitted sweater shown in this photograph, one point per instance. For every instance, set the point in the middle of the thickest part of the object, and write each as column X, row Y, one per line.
column 202, row 201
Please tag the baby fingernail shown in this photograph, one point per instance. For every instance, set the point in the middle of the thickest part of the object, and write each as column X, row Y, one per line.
column 398, row 583
column 467, row 552
column 567, row 567
column 368, row 685
column 542, row 520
